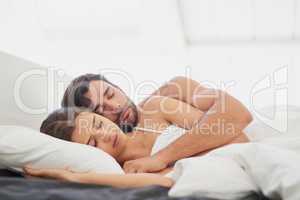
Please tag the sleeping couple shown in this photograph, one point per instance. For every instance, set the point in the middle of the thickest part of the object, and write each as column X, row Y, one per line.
column 98, row 113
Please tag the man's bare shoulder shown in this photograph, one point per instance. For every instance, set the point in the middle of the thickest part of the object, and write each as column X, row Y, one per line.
column 153, row 102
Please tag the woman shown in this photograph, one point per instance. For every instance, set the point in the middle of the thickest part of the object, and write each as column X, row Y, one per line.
column 94, row 130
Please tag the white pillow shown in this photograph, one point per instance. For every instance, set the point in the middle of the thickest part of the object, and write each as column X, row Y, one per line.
column 20, row 146
column 210, row 177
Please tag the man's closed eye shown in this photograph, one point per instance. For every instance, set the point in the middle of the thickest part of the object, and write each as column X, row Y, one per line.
column 110, row 94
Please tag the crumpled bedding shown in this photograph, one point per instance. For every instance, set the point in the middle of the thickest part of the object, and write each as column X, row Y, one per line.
column 270, row 167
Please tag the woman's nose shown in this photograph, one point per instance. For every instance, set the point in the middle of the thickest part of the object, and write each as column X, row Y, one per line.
column 101, row 136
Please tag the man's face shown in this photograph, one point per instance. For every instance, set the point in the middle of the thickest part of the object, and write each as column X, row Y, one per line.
column 112, row 103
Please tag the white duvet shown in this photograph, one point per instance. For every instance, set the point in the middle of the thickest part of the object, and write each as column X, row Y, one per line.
column 271, row 166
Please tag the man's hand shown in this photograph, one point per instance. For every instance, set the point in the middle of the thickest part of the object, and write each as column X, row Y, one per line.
column 144, row 165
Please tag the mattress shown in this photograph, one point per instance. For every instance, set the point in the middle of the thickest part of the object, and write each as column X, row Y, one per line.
column 41, row 189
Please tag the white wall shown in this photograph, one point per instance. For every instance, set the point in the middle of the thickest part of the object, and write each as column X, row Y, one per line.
column 213, row 21
column 249, row 67
column 246, row 41
column 148, row 45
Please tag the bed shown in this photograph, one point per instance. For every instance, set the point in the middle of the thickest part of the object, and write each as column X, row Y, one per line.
column 15, row 187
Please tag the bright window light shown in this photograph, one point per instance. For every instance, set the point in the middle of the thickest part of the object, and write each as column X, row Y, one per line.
column 240, row 20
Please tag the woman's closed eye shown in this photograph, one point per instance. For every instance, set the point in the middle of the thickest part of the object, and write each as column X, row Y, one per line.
column 99, row 125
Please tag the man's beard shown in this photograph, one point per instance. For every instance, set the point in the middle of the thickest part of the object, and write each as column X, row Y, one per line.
column 128, row 127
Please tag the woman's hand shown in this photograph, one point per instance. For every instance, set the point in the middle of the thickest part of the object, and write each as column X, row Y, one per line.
column 59, row 174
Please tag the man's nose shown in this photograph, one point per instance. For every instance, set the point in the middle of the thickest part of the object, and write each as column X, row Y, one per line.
column 113, row 106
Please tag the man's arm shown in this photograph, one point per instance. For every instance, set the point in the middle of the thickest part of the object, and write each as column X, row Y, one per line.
column 189, row 91
column 223, row 122
column 180, row 88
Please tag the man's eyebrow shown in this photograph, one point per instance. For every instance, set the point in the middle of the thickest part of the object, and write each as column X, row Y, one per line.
column 106, row 91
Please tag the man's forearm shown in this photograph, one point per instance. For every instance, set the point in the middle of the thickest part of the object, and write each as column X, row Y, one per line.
column 217, row 128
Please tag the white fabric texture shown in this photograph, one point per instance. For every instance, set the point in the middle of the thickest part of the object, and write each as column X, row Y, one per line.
column 236, row 171
column 211, row 177
column 270, row 167
column 20, row 146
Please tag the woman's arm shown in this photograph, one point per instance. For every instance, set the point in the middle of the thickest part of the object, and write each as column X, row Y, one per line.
column 114, row 180
column 126, row 180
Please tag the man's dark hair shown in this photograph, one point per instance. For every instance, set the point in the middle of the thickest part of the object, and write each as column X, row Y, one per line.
column 74, row 94
column 60, row 123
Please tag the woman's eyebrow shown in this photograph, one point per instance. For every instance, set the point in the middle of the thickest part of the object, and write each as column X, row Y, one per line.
column 89, row 139
column 94, row 121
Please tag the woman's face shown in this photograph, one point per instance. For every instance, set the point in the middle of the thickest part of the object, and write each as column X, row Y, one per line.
column 97, row 131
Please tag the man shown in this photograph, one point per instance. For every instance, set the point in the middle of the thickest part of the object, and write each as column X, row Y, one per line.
column 212, row 117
